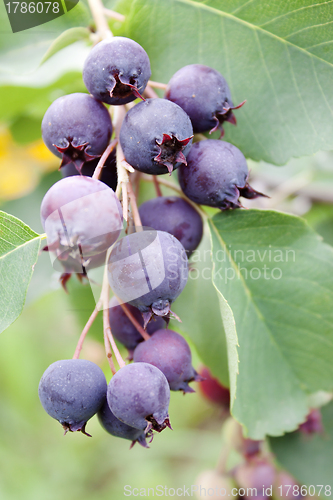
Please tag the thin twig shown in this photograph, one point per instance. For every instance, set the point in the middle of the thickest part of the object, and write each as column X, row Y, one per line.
column 177, row 189
column 130, row 316
column 107, row 332
column 134, row 207
column 157, row 85
column 113, row 15
column 97, row 10
column 86, row 330
column 157, row 186
column 99, row 167
column 109, row 353
column 106, row 319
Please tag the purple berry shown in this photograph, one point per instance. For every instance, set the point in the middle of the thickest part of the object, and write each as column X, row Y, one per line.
column 72, row 391
column 169, row 351
column 138, row 395
column 148, row 269
column 82, row 217
column 123, row 329
column 109, row 171
column 175, row 216
column 77, row 128
column 116, row 428
column 156, row 135
column 216, row 175
column 313, row 423
column 117, row 70
column 205, row 96
column 256, row 473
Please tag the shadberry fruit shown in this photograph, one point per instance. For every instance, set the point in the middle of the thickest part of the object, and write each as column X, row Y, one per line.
column 148, row 269
column 82, row 217
column 258, row 474
column 175, row 216
column 216, row 175
column 169, row 351
column 117, row 70
column 313, row 423
column 205, row 96
column 108, row 175
column 72, row 391
column 213, row 390
column 77, row 128
column 123, row 329
column 138, row 395
column 156, row 135
column 116, row 428
column 285, row 486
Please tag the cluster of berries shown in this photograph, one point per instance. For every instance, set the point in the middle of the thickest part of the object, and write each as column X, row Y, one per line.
column 147, row 270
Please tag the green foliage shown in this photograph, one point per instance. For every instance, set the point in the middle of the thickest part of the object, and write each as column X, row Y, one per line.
column 309, row 458
column 66, row 38
column 19, row 247
column 275, row 273
column 275, row 55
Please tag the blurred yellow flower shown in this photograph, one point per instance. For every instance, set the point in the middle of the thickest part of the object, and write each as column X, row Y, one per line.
column 22, row 166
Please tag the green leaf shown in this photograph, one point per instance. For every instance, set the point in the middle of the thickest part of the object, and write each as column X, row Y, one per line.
column 19, row 247
column 66, row 38
column 21, row 53
column 309, row 458
column 199, row 309
column 275, row 273
column 276, row 55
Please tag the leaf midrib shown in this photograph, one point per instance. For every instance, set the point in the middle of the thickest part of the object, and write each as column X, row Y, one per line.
column 252, row 27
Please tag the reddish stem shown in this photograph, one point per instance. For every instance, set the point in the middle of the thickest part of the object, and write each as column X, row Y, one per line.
column 98, row 170
column 84, row 332
column 130, row 316
column 108, row 333
column 157, row 186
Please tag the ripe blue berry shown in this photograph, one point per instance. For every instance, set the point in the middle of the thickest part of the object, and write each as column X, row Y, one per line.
column 156, row 135
column 117, row 70
column 169, row 351
column 109, row 171
column 138, row 395
column 124, row 330
column 72, row 391
column 148, row 269
column 116, row 428
column 216, row 175
column 82, row 217
column 205, row 96
column 77, row 128
column 175, row 216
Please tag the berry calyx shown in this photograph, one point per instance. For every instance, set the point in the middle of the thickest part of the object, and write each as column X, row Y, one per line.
column 82, row 218
column 216, row 175
column 156, row 136
column 117, row 71
column 77, row 128
column 138, row 395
